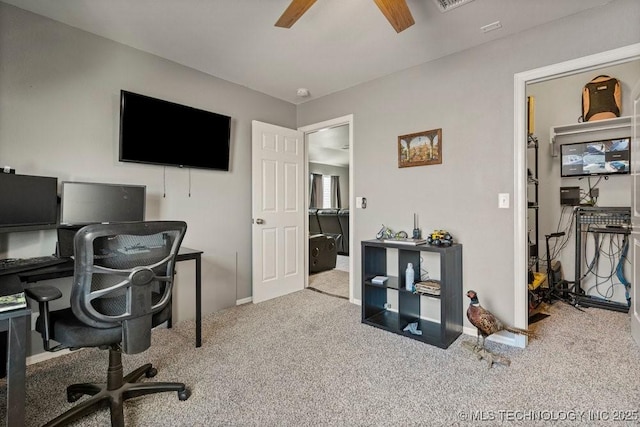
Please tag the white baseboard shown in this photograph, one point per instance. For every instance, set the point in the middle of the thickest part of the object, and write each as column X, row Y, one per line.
column 502, row 338
column 41, row 357
column 244, row 300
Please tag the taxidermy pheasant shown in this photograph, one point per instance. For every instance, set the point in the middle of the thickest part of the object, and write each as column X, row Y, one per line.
column 486, row 322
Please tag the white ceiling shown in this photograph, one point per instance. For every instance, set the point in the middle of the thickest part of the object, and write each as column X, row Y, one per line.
column 329, row 146
column 337, row 44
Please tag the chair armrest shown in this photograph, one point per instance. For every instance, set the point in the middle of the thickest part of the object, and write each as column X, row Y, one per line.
column 43, row 293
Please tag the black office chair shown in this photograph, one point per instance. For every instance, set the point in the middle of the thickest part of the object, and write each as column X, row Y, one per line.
column 343, row 218
column 122, row 288
column 330, row 225
column 314, row 224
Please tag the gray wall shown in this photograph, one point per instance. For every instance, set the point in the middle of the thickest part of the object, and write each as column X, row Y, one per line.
column 59, row 116
column 470, row 96
column 343, row 173
column 557, row 103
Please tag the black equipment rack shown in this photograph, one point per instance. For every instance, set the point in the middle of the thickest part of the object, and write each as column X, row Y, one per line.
column 591, row 219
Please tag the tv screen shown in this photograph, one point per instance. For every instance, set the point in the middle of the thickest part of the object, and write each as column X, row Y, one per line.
column 28, row 201
column 606, row 157
column 93, row 202
column 160, row 132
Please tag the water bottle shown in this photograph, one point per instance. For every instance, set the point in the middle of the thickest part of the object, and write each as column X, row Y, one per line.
column 408, row 277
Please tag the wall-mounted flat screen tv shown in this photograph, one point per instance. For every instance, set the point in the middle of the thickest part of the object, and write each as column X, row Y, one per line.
column 94, row 202
column 160, row 132
column 28, row 202
column 605, row 157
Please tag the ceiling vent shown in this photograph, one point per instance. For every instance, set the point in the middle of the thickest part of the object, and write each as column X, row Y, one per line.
column 447, row 5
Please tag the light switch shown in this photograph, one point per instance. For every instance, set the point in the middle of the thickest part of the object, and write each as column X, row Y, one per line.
column 361, row 202
column 503, row 200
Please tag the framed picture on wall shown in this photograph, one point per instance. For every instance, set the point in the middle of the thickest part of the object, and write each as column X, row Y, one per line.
column 420, row 149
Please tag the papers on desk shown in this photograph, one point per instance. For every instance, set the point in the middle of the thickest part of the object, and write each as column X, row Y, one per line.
column 12, row 302
column 11, row 294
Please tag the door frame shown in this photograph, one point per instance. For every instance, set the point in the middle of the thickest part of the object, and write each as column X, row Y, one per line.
column 634, row 237
column 338, row 121
column 587, row 63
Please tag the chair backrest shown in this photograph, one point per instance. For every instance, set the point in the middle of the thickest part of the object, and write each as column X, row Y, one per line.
column 329, row 223
column 314, row 224
column 343, row 217
column 124, row 275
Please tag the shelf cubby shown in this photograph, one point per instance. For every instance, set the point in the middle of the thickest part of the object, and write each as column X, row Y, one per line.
column 376, row 299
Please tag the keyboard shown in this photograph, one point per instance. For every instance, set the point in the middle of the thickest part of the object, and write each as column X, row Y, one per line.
column 18, row 265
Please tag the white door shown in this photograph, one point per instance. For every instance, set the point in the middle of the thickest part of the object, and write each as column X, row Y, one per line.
column 635, row 213
column 278, row 235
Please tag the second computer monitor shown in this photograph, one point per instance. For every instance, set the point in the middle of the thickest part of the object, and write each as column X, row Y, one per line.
column 92, row 202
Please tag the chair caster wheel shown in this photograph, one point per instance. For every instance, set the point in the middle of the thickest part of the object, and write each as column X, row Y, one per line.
column 73, row 397
column 184, row 394
column 151, row 372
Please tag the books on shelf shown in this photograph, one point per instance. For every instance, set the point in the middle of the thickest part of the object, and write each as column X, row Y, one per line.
column 12, row 302
column 379, row 280
column 428, row 287
column 406, row 241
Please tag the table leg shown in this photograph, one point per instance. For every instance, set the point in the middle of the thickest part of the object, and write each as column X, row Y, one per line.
column 198, row 301
column 16, row 370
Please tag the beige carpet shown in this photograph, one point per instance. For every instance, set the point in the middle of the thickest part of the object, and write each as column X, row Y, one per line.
column 306, row 359
column 332, row 282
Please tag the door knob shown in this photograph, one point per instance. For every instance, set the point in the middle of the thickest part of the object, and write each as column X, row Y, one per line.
column 259, row 221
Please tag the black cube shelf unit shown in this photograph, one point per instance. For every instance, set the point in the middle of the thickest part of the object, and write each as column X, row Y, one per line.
column 374, row 297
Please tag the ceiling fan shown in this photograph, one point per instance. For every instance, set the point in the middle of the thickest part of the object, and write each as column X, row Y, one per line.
column 396, row 11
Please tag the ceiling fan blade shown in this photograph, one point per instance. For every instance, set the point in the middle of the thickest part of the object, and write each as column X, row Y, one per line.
column 397, row 13
column 296, row 9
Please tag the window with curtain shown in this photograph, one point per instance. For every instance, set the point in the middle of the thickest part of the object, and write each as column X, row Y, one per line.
column 324, row 191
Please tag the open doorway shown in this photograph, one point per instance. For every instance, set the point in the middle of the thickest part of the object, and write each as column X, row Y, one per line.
column 602, row 187
column 329, row 192
column 521, row 80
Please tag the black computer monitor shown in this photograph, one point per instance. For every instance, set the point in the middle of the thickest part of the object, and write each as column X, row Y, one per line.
column 93, row 202
column 28, row 202
column 604, row 157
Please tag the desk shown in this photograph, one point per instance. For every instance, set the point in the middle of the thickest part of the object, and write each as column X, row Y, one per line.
column 15, row 324
column 184, row 254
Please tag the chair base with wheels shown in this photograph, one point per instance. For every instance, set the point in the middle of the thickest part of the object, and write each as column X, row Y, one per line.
column 115, row 391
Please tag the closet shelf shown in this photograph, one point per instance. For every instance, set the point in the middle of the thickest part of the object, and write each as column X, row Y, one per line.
column 587, row 127
column 618, row 127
